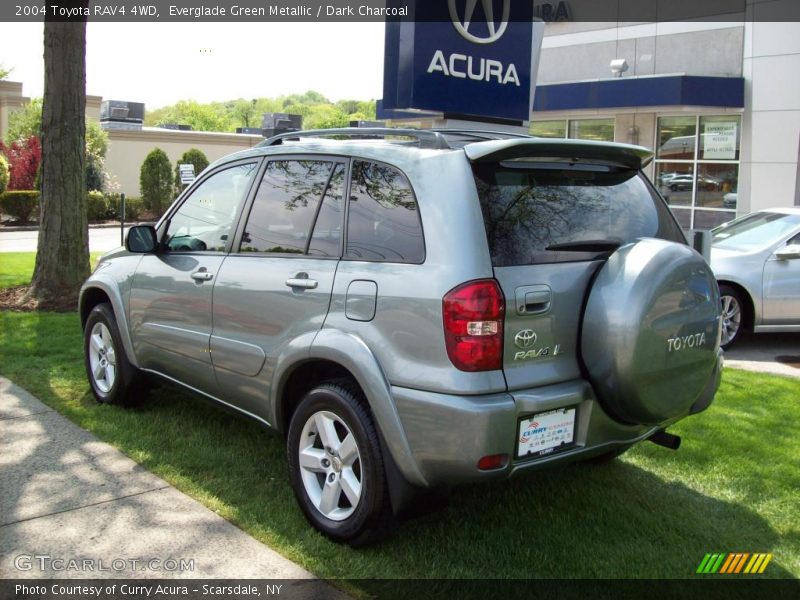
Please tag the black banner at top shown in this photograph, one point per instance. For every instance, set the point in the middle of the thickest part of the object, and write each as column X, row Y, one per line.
column 551, row 11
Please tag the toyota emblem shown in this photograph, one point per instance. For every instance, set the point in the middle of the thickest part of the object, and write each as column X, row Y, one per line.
column 525, row 338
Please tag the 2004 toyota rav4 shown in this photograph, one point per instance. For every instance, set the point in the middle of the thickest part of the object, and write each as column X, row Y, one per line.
column 416, row 311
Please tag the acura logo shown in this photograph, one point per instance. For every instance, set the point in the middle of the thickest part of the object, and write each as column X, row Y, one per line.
column 525, row 338
column 495, row 28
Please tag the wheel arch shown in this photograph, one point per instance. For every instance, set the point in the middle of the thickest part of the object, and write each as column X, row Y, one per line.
column 335, row 354
column 97, row 291
column 750, row 308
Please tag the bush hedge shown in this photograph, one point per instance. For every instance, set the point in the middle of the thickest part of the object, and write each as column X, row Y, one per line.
column 3, row 174
column 24, row 204
column 20, row 204
column 96, row 206
column 133, row 207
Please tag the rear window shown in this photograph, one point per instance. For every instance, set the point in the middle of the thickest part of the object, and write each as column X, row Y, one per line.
column 547, row 213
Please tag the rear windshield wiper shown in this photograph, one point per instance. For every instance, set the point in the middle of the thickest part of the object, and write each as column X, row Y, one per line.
column 587, row 246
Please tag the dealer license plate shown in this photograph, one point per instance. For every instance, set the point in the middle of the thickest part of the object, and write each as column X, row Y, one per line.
column 543, row 433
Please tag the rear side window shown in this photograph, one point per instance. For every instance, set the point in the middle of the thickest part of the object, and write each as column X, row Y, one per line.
column 383, row 222
column 555, row 213
column 287, row 204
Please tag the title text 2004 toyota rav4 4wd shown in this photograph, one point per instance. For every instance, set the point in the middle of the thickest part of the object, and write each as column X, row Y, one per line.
column 441, row 308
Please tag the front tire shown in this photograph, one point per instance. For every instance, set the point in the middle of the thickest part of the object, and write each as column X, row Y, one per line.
column 111, row 375
column 732, row 315
column 335, row 465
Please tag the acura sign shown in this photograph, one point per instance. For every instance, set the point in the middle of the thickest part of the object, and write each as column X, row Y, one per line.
column 468, row 58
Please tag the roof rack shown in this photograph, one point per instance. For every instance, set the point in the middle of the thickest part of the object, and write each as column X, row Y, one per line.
column 427, row 138
column 479, row 134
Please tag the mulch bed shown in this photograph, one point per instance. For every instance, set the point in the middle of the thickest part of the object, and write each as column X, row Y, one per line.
column 17, row 298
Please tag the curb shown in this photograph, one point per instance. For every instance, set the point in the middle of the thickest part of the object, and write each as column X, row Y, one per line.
column 91, row 226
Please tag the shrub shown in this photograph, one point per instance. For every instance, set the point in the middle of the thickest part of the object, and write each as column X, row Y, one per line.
column 96, row 206
column 192, row 156
column 155, row 181
column 24, row 157
column 3, row 173
column 133, row 207
column 20, row 204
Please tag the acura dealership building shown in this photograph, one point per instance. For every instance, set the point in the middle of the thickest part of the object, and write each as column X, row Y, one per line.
column 717, row 99
column 719, row 102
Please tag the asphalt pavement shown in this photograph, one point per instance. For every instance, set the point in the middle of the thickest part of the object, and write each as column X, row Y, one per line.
column 101, row 239
column 65, row 495
column 776, row 353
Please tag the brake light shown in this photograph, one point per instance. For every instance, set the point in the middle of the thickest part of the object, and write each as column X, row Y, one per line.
column 473, row 325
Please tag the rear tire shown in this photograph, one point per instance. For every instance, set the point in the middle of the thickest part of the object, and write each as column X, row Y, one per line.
column 336, row 467
column 111, row 375
column 733, row 305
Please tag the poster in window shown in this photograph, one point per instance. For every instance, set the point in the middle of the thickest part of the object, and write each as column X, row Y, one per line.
column 719, row 140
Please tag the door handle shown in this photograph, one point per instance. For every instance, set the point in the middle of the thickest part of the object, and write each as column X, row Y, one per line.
column 303, row 283
column 202, row 275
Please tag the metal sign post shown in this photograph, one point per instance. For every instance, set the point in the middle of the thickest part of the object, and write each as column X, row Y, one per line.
column 122, row 219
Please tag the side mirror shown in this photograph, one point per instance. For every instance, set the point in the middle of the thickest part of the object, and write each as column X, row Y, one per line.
column 141, row 239
column 788, row 252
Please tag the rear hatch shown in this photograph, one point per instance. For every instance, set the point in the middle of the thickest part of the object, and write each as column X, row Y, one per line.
column 554, row 211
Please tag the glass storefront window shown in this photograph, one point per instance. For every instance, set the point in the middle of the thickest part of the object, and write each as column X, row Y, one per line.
column 601, row 130
column 719, row 138
column 675, row 181
column 683, row 216
column 549, row 129
column 676, row 138
column 697, row 167
column 716, row 185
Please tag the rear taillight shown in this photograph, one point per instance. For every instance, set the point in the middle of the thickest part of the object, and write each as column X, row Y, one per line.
column 473, row 325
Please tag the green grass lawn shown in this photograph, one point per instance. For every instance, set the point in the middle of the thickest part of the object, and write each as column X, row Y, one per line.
column 16, row 268
column 733, row 486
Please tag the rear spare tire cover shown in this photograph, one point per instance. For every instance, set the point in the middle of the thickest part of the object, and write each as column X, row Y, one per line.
column 650, row 333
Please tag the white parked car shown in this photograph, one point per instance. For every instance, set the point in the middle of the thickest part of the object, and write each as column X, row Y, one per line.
column 756, row 260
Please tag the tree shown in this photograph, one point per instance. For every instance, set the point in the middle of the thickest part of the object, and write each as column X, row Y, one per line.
column 27, row 123
column 202, row 117
column 62, row 258
column 194, row 157
column 4, row 72
column 155, row 181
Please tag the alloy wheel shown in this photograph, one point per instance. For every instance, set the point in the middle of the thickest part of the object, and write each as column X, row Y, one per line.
column 102, row 358
column 330, row 465
column 731, row 318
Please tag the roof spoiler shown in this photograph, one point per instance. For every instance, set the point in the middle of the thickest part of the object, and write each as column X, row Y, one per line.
column 632, row 157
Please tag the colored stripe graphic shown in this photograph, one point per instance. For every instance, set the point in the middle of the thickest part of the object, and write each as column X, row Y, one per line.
column 734, row 563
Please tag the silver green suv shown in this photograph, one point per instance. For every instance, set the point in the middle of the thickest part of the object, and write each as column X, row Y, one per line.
column 415, row 309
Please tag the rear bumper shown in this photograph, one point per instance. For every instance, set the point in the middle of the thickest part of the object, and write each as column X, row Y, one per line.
column 449, row 434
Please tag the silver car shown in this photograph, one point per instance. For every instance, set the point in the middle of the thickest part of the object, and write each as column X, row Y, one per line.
column 414, row 311
column 756, row 259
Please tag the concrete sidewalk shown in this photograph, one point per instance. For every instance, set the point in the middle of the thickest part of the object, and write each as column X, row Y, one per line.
column 67, row 495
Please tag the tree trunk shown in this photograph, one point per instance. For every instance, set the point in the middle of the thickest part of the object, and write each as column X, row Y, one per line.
column 62, row 258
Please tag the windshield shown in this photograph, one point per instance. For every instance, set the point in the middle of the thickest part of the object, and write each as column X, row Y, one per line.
column 547, row 213
column 754, row 231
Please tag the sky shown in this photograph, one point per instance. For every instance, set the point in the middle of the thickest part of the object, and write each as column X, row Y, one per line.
column 161, row 63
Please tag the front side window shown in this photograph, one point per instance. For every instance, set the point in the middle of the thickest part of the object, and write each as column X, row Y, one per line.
column 204, row 221
column 383, row 222
column 287, row 204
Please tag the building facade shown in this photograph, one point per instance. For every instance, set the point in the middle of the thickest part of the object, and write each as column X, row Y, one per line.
column 718, row 102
